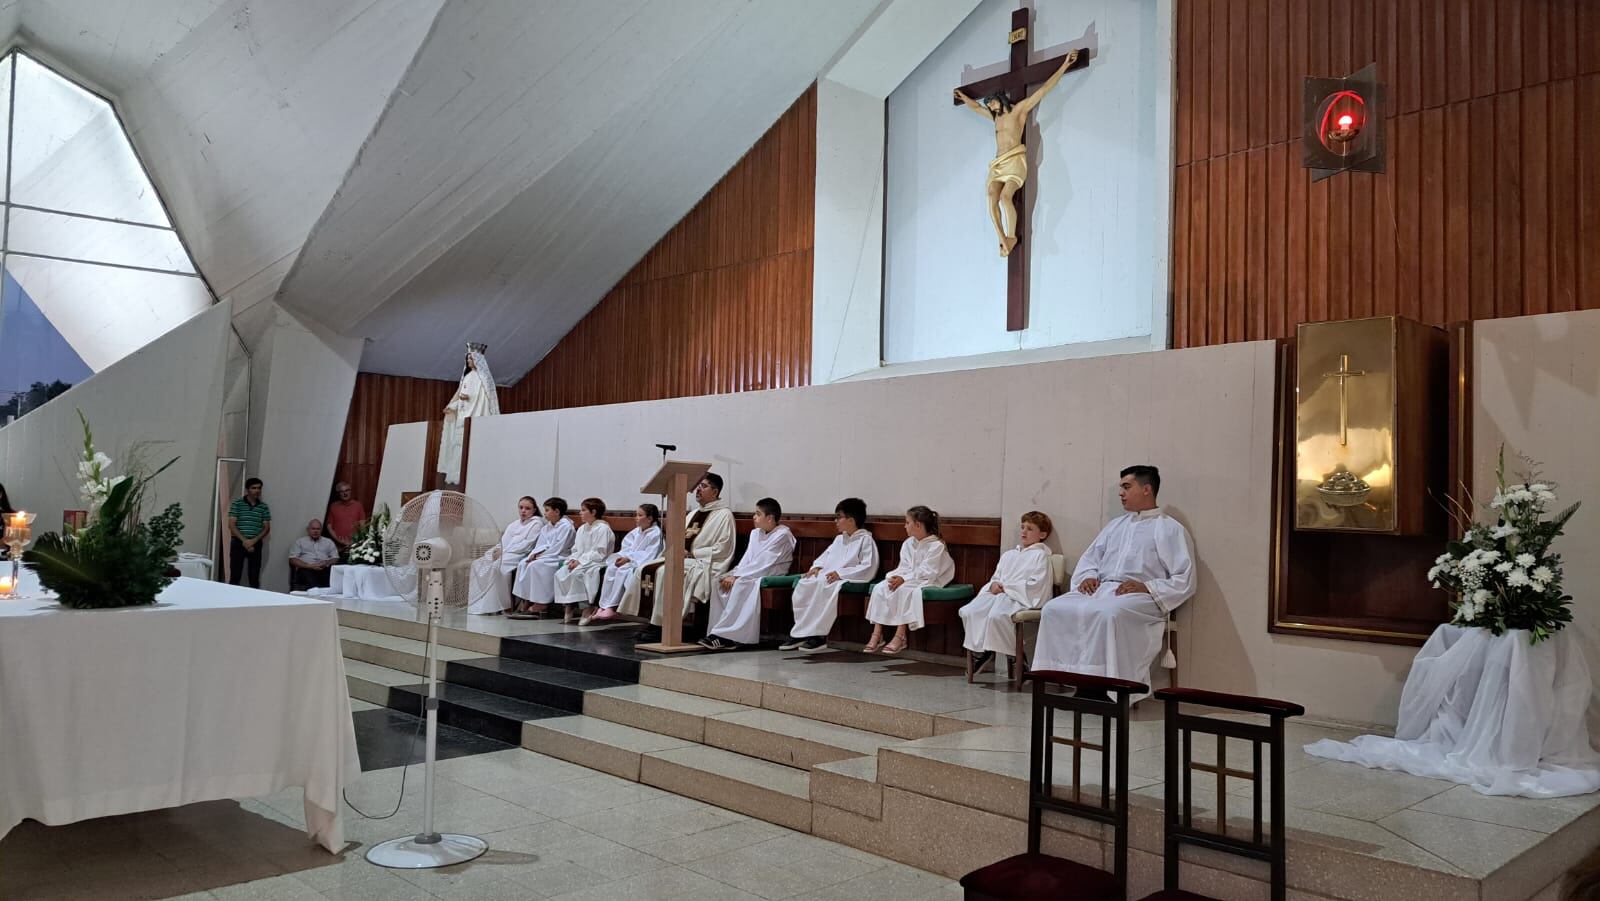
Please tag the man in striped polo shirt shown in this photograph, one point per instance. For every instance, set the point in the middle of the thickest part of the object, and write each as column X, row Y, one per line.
column 249, row 522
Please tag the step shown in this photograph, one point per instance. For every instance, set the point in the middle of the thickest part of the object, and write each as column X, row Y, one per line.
column 372, row 683
column 657, row 709
column 477, row 642
column 850, row 785
column 391, row 651
column 595, row 743
column 601, row 652
column 547, row 685
column 481, row 712
column 757, row 788
column 791, row 740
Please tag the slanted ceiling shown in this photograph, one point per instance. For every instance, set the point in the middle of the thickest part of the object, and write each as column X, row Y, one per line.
column 423, row 173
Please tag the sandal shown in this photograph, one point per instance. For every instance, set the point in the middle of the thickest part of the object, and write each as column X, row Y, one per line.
column 874, row 645
column 894, row 647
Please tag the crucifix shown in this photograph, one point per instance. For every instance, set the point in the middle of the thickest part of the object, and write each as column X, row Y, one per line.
column 1344, row 373
column 1005, row 99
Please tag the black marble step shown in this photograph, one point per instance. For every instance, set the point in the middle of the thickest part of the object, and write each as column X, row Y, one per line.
column 485, row 713
column 547, row 685
column 599, row 652
column 389, row 738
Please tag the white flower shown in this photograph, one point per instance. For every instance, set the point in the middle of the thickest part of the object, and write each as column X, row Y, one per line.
column 1499, row 501
column 1481, row 596
column 1442, row 559
column 1542, row 575
column 1503, row 531
column 1526, row 560
column 1504, row 567
column 1488, row 556
column 1471, row 564
column 1538, row 486
column 1517, row 578
column 1545, row 495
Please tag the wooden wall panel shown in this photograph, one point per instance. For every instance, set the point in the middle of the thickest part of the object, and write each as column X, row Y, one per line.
column 1490, row 202
column 721, row 303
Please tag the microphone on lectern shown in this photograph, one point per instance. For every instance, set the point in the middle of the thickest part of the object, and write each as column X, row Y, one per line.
column 667, row 447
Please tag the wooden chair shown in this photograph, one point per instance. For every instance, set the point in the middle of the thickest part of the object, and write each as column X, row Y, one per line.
column 1180, row 766
column 1033, row 874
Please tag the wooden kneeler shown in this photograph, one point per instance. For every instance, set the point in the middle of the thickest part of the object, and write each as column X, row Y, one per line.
column 672, row 481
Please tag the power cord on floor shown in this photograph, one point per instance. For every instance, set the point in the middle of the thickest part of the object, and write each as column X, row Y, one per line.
column 403, row 771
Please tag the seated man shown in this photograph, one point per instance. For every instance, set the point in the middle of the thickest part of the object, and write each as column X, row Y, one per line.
column 736, row 603
column 709, row 543
column 1138, row 569
column 311, row 557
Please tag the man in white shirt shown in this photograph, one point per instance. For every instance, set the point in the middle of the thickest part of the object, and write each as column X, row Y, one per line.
column 312, row 555
column 736, row 599
column 1140, row 568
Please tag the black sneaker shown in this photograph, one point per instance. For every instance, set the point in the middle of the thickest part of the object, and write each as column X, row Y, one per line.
column 717, row 643
column 792, row 644
column 650, row 635
column 816, row 644
column 979, row 661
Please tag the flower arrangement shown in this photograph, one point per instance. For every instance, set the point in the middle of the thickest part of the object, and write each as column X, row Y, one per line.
column 366, row 545
column 117, row 559
column 1503, row 573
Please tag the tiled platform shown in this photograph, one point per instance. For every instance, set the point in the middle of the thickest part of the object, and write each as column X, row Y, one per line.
column 906, row 759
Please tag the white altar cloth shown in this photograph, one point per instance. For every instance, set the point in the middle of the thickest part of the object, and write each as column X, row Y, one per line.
column 195, row 566
column 1492, row 712
column 368, row 583
column 214, row 692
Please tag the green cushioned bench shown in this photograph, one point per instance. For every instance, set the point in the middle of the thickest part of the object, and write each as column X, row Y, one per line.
column 852, row 602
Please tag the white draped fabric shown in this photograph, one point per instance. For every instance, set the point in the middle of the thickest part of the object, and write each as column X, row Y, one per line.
column 736, row 613
column 853, row 558
column 711, row 553
column 590, row 547
column 493, row 573
column 214, row 692
column 476, row 396
column 536, row 575
column 620, row 587
column 1114, row 635
column 923, row 562
column 1490, row 711
column 363, row 582
column 1024, row 578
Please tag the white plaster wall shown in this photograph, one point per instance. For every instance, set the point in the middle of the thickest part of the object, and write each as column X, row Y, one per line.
column 1537, row 390
column 847, row 265
column 166, row 395
column 990, row 442
column 1101, row 180
column 404, row 454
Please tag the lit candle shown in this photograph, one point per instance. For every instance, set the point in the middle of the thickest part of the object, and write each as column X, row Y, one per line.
column 7, row 585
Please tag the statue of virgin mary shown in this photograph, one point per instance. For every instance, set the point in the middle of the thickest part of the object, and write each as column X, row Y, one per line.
column 476, row 396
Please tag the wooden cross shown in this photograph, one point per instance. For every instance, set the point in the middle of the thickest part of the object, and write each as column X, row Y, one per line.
column 1344, row 373
column 1016, row 83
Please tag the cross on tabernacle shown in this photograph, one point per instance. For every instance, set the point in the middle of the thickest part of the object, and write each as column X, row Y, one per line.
column 1010, row 166
column 1344, row 373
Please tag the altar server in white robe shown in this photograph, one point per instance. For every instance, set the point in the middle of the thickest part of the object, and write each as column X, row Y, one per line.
column 710, row 541
column 897, row 600
column 852, row 557
column 736, row 599
column 493, row 573
column 1140, row 568
column 1022, row 581
column 579, row 579
column 535, row 586
column 621, row 581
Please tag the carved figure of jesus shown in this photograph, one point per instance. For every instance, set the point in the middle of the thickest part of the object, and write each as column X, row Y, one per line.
column 1009, row 169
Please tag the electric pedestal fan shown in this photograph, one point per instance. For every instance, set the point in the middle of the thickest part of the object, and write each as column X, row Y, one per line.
column 428, row 554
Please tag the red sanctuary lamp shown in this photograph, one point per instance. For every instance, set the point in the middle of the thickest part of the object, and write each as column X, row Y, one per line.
column 1343, row 127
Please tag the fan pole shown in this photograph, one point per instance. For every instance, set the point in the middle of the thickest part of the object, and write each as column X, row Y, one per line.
column 431, row 711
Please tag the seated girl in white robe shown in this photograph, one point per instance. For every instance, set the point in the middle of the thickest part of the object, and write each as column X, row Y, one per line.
column 736, row 597
column 493, row 573
column 1022, row 581
column 852, row 557
column 579, row 579
column 621, row 579
column 897, row 600
column 535, row 586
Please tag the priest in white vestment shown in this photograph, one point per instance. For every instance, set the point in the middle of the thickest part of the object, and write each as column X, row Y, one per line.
column 536, row 577
column 1139, row 569
column 620, row 585
column 897, row 600
column 476, row 396
column 736, row 598
column 493, row 573
column 710, row 540
column 579, row 580
column 852, row 557
column 1022, row 581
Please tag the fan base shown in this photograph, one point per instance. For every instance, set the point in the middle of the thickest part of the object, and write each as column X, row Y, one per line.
column 411, row 854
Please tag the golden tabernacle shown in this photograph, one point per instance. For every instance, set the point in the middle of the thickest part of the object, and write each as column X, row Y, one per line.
column 1369, row 412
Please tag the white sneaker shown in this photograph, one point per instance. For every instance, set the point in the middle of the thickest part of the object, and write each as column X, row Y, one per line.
column 791, row 644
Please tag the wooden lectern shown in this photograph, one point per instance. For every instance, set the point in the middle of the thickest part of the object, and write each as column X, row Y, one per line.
column 672, row 480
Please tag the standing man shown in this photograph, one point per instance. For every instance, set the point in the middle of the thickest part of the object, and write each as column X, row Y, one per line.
column 312, row 556
column 709, row 544
column 249, row 523
column 344, row 514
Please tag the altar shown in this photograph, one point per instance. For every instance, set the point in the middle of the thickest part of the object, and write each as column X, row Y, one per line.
column 366, row 583
column 214, row 692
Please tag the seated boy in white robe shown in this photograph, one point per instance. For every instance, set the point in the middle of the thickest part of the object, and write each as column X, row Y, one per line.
column 1020, row 582
column 897, row 600
column 852, row 557
column 579, row 578
column 736, row 600
column 621, row 581
column 709, row 544
column 535, row 586
column 493, row 573
column 1140, row 568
